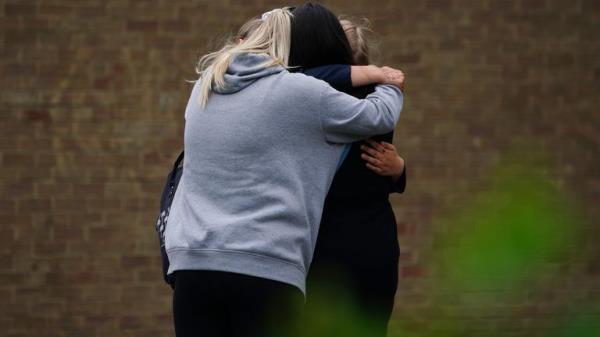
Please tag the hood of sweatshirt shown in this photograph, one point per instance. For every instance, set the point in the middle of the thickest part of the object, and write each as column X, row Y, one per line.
column 244, row 70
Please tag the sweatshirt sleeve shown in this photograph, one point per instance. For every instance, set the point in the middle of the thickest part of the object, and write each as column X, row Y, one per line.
column 346, row 119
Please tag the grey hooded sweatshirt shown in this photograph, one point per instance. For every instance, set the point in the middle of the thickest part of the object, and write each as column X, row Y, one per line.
column 260, row 158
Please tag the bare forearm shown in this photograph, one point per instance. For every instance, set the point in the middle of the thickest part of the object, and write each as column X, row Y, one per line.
column 365, row 75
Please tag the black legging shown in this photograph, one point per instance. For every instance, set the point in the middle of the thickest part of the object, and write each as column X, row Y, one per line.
column 220, row 304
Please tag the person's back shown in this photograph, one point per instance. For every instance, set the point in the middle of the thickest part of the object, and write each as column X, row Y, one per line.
column 260, row 158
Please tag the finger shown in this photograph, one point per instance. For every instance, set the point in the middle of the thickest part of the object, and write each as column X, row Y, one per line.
column 388, row 146
column 376, row 145
column 371, row 160
column 370, row 151
column 374, row 168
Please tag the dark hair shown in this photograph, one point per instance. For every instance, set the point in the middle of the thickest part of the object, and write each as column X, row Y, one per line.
column 317, row 38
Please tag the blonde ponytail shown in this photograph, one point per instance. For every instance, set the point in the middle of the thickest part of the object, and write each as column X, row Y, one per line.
column 272, row 38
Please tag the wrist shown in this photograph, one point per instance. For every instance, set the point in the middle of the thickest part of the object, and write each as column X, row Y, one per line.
column 399, row 168
column 377, row 74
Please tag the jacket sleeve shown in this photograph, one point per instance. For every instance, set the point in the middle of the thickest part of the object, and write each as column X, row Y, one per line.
column 339, row 76
column 345, row 119
column 399, row 186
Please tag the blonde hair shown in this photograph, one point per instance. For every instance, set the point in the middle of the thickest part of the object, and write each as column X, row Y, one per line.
column 359, row 36
column 247, row 28
column 271, row 37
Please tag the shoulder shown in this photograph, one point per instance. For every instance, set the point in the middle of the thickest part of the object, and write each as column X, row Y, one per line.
column 301, row 84
column 327, row 70
column 300, row 77
column 339, row 76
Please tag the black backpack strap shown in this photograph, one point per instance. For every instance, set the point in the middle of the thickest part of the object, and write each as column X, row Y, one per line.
column 176, row 166
column 174, row 176
column 178, row 161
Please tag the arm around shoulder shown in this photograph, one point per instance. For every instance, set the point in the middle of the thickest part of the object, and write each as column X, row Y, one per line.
column 346, row 119
column 365, row 75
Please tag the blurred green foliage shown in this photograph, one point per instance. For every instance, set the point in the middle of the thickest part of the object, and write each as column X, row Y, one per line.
column 496, row 247
column 518, row 225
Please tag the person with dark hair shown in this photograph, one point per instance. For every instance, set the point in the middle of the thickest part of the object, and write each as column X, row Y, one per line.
column 357, row 251
column 317, row 38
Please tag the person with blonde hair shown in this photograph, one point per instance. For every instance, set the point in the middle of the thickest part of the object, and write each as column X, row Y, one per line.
column 246, row 29
column 262, row 145
column 358, row 31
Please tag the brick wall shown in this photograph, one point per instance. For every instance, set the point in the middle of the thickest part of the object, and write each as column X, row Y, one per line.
column 92, row 102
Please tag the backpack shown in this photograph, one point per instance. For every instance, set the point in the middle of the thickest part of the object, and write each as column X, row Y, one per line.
column 166, row 200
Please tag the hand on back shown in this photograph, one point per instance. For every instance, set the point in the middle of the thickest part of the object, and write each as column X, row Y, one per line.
column 382, row 158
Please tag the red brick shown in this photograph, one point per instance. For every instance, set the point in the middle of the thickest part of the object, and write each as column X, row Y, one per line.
column 177, row 26
column 54, row 10
column 89, row 190
column 438, row 4
column 12, row 278
column 68, row 232
column 8, row 24
column 412, row 271
column 37, row 115
column 18, row 159
column 19, row 9
column 131, row 322
column 136, row 261
column 91, row 12
column 403, row 59
column 20, row 38
column 142, row 26
column 34, row 205
column 50, row 249
column 7, row 206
